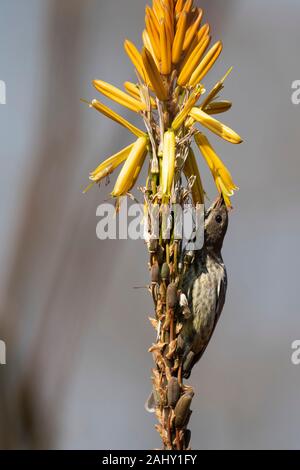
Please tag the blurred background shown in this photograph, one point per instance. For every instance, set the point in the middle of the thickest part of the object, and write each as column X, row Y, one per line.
column 77, row 333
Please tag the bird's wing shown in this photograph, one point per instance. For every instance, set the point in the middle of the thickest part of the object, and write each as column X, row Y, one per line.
column 222, row 289
column 221, row 296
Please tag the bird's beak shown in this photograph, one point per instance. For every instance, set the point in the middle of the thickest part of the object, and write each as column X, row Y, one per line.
column 217, row 204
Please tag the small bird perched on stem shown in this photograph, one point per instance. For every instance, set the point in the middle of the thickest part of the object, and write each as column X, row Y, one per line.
column 204, row 285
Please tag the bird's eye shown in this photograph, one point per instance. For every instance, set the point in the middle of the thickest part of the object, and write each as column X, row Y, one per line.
column 219, row 219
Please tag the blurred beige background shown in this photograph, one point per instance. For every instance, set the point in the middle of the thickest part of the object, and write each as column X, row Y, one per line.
column 77, row 333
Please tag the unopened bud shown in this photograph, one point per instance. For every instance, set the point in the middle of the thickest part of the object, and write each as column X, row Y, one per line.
column 155, row 275
column 172, row 298
column 182, row 411
column 165, row 272
column 173, row 392
column 188, row 361
column 155, row 292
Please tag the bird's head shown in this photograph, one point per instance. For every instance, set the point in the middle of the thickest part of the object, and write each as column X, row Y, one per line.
column 216, row 224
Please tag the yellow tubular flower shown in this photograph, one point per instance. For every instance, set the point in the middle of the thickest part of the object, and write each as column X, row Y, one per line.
column 165, row 50
column 216, row 89
column 157, row 8
column 169, row 19
column 206, row 64
column 169, row 96
column 170, row 39
column 189, row 52
column 189, row 122
column 119, row 96
column 215, row 162
column 134, row 91
column 180, row 118
column 116, row 117
column 215, row 126
column 108, row 166
column 203, row 31
column 188, row 5
column 192, row 30
column 131, row 168
column 138, row 171
column 153, row 36
column 221, row 174
column 179, row 6
column 179, row 38
column 168, row 164
column 218, row 107
column 202, row 34
column 153, row 18
column 148, row 45
column 191, row 169
column 136, row 59
column 190, row 66
column 222, row 190
column 154, row 76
